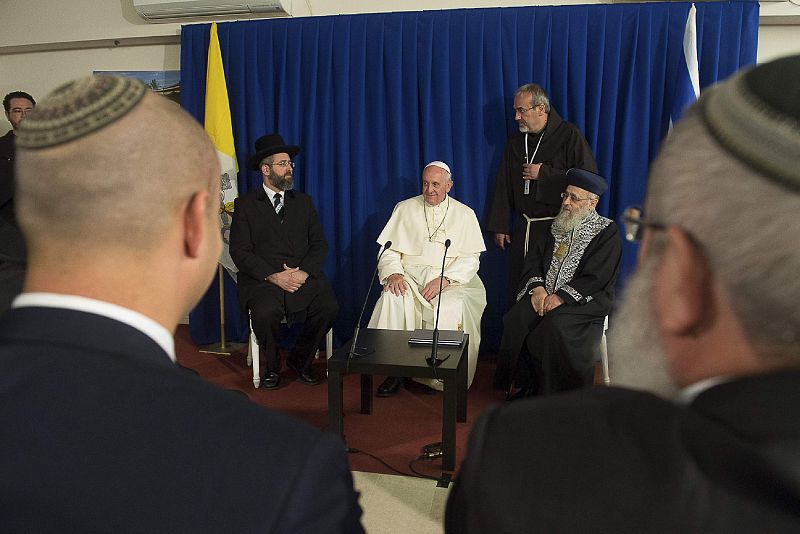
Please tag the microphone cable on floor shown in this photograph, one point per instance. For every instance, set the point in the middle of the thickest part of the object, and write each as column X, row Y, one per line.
column 414, row 473
column 352, row 450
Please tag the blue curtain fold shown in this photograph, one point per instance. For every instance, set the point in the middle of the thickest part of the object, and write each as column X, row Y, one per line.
column 372, row 98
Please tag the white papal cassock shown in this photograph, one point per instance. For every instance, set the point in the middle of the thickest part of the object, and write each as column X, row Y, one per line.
column 418, row 232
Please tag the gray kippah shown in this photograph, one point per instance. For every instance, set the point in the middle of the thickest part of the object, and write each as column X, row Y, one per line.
column 79, row 108
column 755, row 116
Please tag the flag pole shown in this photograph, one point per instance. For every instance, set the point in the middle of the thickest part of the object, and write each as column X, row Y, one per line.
column 222, row 348
column 219, row 127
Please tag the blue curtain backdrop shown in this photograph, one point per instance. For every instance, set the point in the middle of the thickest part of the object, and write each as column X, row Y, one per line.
column 372, row 98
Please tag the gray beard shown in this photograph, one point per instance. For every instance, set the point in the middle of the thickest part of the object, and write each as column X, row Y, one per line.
column 281, row 183
column 564, row 222
column 638, row 359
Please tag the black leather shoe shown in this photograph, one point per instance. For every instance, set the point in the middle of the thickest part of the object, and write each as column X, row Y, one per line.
column 271, row 380
column 390, row 386
column 306, row 376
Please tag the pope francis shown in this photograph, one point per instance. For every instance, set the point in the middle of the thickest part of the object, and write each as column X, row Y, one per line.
column 410, row 269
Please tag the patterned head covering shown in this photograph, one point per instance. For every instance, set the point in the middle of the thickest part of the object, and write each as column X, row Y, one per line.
column 79, row 108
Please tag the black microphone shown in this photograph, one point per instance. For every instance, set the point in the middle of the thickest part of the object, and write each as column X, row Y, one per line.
column 363, row 351
column 432, row 360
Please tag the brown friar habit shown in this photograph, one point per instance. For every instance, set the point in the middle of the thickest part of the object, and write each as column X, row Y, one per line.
column 562, row 148
column 563, row 345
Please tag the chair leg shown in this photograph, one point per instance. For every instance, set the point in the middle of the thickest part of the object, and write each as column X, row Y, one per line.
column 329, row 344
column 253, row 356
column 604, row 354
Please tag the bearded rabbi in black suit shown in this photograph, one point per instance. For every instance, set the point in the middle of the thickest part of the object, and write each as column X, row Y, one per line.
column 101, row 430
column 277, row 243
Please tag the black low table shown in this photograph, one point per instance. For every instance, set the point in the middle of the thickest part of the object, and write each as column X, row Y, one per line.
column 393, row 356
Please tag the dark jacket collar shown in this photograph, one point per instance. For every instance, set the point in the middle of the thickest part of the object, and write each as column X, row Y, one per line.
column 79, row 330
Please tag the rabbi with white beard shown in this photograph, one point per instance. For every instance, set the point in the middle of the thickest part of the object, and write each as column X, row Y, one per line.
column 552, row 334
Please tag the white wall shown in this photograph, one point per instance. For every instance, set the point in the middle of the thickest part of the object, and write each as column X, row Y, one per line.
column 28, row 25
column 778, row 41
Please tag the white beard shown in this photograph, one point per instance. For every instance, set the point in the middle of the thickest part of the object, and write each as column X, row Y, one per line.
column 638, row 359
column 567, row 222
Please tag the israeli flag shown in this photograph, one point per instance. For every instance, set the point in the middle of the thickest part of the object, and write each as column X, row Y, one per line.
column 687, row 88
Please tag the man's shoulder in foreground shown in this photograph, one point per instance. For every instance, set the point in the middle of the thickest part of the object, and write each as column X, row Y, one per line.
column 611, row 459
column 98, row 429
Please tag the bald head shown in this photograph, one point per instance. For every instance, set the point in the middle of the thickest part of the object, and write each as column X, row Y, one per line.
column 118, row 185
column 118, row 198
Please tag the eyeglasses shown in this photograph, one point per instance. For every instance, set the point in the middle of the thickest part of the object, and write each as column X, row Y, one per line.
column 572, row 197
column 20, row 111
column 282, row 164
column 634, row 222
column 522, row 111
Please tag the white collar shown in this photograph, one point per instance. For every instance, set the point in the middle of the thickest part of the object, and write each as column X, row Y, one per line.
column 140, row 322
column 688, row 394
column 270, row 193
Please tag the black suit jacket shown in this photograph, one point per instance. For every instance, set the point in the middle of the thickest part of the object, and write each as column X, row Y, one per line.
column 615, row 460
column 101, row 432
column 12, row 245
column 260, row 245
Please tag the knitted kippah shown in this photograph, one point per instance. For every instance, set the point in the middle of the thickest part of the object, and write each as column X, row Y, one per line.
column 79, row 108
column 755, row 116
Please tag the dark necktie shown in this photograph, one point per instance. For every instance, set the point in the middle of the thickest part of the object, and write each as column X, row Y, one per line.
column 278, row 206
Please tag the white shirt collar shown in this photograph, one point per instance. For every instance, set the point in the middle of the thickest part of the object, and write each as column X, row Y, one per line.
column 270, row 192
column 140, row 322
column 688, row 394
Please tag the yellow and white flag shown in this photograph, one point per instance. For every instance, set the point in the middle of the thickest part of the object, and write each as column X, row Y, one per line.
column 219, row 128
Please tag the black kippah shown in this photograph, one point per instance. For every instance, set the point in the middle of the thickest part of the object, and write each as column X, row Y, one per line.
column 79, row 108
column 777, row 83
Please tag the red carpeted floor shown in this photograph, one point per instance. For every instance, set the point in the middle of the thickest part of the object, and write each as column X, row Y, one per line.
column 395, row 432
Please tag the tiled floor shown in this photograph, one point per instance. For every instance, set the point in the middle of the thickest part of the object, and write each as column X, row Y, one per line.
column 395, row 504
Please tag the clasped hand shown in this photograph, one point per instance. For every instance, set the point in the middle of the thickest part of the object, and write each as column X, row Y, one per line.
column 290, row 279
column 542, row 302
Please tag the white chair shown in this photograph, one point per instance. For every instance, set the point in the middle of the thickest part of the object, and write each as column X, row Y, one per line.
column 253, row 352
column 604, row 354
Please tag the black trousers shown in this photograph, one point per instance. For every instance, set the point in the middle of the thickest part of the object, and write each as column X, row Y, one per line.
column 548, row 354
column 267, row 310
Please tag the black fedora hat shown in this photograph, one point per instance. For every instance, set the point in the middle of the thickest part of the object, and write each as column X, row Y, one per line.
column 268, row 145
